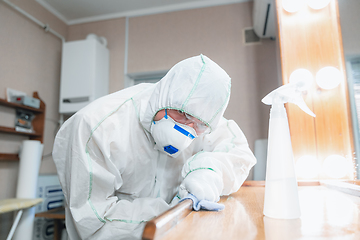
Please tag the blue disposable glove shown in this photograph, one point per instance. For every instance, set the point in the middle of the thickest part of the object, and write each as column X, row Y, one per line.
column 203, row 204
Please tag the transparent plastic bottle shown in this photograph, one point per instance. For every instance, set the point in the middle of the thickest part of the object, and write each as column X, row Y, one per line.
column 281, row 189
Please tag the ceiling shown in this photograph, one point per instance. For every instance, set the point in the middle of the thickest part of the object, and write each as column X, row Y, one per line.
column 81, row 11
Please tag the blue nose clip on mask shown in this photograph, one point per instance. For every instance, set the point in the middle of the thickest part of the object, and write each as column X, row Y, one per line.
column 171, row 137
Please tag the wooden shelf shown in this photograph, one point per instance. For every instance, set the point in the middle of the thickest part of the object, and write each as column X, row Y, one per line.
column 13, row 131
column 56, row 213
column 9, row 157
column 37, row 124
column 16, row 105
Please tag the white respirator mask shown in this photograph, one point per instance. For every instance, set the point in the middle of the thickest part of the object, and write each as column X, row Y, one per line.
column 171, row 137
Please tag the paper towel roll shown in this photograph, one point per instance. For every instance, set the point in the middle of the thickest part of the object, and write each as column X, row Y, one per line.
column 30, row 159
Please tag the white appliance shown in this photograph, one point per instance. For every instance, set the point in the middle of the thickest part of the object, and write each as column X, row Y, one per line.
column 49, row 189
column 264, row 18
column 84, row 73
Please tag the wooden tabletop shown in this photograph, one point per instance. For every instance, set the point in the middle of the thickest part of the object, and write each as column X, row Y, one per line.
column 326, row 214
column 13, row 204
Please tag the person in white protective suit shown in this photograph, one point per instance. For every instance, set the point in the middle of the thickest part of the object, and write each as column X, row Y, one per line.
column 129, row 156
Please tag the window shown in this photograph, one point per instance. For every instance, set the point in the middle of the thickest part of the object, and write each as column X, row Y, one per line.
column 147, row 77
column 353, row 72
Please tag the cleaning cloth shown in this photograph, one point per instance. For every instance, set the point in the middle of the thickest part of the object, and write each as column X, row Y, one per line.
column 203, row 204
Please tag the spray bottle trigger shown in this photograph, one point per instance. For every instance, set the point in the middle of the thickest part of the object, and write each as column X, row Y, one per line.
column 302, row 105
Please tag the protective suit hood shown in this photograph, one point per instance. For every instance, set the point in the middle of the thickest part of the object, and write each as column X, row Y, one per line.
column 197, row 86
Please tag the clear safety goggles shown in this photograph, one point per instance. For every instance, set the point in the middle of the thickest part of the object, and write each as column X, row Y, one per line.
column 184, row 118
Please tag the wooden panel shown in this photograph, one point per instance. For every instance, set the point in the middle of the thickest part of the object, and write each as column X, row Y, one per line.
column 311, row 39
column 9, row 157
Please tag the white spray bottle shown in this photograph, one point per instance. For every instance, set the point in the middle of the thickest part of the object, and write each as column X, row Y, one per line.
column 281, row 190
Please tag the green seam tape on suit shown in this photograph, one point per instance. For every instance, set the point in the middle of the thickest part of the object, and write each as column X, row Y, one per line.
column 201, row 168
column 90, row 162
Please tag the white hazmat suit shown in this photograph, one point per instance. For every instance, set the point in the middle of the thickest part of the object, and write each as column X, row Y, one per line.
column 113, row 178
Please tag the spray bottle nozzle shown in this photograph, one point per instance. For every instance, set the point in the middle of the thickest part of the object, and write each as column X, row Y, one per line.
column 288, row 93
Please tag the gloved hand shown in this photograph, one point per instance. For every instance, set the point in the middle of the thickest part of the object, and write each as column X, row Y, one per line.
column 203, row 204
column 204, row 184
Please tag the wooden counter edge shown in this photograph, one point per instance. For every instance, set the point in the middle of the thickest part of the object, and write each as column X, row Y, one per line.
column 347, row 186
column 167, row 220
column 252, row 183
column 351, row 187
